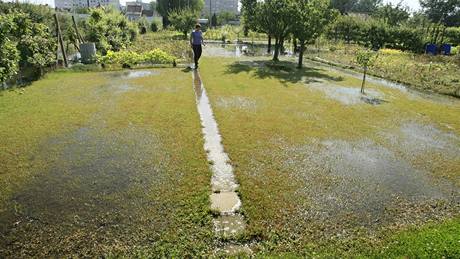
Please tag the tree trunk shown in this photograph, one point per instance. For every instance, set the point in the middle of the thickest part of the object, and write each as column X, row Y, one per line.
column 165, row 21
column 277, row 50
column 294, row 42
column 364, row 80
column 269, row 49
column 302, row 49
column 281, row 43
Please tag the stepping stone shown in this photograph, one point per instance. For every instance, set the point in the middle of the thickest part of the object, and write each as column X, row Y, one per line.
column 229, row 225
column 225, row 202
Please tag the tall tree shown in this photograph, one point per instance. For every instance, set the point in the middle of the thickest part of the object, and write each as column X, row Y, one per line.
column 367, row 6
column 275, row 18
column 393, row 15
column 344, row 6
column 442, row 13
column 445, row 12
column 310, row 19
column 183, row 20
column 248, row 11
column 165, row 7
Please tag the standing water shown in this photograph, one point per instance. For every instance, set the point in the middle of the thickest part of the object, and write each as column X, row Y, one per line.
column 224, row 199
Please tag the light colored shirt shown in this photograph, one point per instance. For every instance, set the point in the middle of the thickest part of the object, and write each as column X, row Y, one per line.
column 196, row 38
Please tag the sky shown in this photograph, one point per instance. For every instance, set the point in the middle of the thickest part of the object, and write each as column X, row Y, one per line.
column 412, row 4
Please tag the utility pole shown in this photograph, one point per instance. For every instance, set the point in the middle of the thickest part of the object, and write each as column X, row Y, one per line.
column 210, row 13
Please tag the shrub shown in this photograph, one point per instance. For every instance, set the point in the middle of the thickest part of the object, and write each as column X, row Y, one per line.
column 143, row 24
column 452, row 35
column 109, row 29
column 25, row 41
column 154, row 26
column 9, row 59
column 455, row 50
column 376, row 34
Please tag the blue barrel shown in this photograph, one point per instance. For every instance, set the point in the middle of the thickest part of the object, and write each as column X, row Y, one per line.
column 446, row 49
column 431, row 49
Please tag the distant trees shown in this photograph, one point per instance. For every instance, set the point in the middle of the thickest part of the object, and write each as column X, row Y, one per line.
column 165, row 7
column 225, row 17
column 392, row 15
column 445, row 12
column 344, row 6
column 309, row 20
column 357, row 6
column 183, row 20
column 280, row 19
column 275, row 17
column 248, row 12
column 442, row 13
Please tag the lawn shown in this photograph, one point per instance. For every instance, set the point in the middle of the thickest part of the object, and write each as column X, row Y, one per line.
column 324, row 172
column 103, row 164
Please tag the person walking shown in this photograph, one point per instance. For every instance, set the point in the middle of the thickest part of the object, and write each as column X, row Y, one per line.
column 196, row 40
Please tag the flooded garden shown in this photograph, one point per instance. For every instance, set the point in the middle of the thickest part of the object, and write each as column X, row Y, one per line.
column 245, row 156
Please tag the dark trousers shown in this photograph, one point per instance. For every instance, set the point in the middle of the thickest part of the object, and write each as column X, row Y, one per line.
column 197, row 50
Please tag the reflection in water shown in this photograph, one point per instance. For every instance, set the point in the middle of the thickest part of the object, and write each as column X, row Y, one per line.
column 223, row 179
column 224, row 198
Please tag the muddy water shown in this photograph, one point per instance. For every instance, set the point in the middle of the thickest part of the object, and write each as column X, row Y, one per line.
column 224, row 198
column 234, row 50
column 363, row 184
column 389, row 84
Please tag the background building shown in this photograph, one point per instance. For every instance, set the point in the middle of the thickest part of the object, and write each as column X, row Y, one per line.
column 72, row 4
column 218, row 6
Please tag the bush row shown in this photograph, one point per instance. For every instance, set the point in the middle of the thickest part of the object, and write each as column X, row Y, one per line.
column 128, row 59
column 26, row 41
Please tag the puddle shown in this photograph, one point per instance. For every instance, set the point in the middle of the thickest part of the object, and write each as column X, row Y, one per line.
column 223, row 179
column 225, row 202
column 236, row 102
column 412, row 93
column 226, row 225
column 96, row 181
column 347, row 95
column 363, row 184
column 234, row 50
column 132, row 74
column 224, row 198
column 416, row 139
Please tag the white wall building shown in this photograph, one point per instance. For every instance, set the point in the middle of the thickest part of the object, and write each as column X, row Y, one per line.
column 218, row 6
column 72, row 4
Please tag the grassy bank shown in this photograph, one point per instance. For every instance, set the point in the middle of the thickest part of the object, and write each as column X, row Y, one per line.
column 425, row 72
column 323, row 175
column 103, row 164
